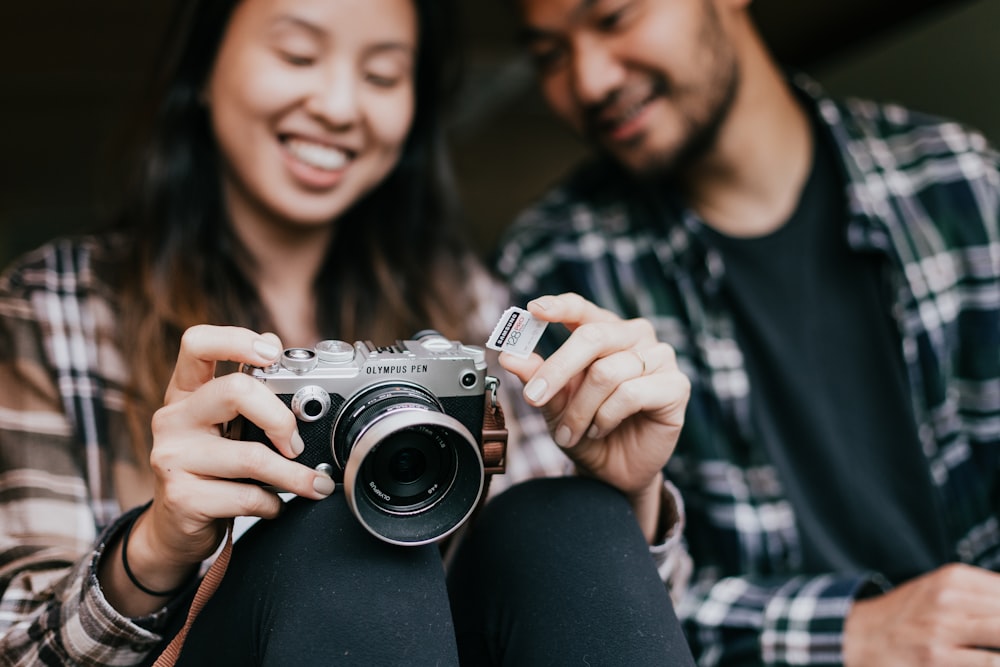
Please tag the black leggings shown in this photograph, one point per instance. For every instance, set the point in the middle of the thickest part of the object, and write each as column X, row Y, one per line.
column 553, row 572
column 557, row 572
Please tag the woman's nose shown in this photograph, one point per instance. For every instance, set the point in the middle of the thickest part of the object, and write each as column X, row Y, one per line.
column 335, row 98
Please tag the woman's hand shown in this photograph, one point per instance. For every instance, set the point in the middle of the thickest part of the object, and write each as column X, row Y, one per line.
column 613, row 397
column 197, row 469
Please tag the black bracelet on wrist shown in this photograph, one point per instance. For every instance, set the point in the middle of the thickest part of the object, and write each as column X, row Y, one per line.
column 131, row 577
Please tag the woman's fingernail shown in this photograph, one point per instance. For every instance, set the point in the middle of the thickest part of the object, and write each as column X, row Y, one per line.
column 563, row 435
column 536, row 389
column 323, row 484
column 543, row 303
column 298, row 446
column 265, row 349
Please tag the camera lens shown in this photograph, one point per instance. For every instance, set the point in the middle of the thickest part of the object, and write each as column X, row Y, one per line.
column 407, row 466
column 409, row 469
column 412, row 473
column 410, row 461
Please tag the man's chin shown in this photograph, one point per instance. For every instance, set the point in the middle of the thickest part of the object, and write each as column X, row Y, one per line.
column 645, row 165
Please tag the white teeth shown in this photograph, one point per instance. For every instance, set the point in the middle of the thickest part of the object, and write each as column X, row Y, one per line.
column 630, row 113
column 316, row 155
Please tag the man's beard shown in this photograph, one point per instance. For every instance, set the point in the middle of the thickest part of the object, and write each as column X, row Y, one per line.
column 703, row 122
column 700, row 136
column 700, row 140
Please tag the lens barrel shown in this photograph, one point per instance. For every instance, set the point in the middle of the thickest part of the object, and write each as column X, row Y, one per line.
column 412, row 473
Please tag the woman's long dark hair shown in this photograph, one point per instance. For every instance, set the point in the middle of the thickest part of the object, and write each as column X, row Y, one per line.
column 397, row 261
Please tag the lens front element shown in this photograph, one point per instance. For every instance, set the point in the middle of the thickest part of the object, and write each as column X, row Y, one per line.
column 412, row 473
column 410, row 469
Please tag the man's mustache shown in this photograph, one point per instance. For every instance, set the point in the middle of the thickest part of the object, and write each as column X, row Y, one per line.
column 597, row 116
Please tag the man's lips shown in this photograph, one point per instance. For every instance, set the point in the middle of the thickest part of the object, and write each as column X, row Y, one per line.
column 623, row 116
column 627, row 125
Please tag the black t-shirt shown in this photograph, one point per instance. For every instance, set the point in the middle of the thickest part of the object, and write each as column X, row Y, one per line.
column 829, row 394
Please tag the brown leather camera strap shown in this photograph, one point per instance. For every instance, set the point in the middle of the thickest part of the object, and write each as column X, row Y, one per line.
column 494, row 446
column 494, row 437
column 205, row 590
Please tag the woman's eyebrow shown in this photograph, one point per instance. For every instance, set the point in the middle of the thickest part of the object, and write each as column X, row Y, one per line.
column 289, row 20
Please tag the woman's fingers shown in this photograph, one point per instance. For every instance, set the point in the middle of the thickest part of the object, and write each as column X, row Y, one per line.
column 570, row 309
column 592, row 344
column 203, row 346
column 623, row 384
column 220, row 498
column 225, row 398
column 211, row 457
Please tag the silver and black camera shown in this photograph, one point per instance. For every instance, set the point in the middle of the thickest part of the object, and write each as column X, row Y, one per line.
column 400, row 426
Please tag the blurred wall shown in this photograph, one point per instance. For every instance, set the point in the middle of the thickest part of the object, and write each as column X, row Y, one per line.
column 65, row 91
column 947, row 63
column 69, row 70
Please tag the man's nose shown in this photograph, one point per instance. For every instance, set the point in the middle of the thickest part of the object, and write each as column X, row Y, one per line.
column 596, row 71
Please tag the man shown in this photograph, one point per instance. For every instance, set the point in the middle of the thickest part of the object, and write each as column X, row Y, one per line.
column 829, row 276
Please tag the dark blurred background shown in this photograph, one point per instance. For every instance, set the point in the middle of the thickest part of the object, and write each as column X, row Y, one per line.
column 72, row 70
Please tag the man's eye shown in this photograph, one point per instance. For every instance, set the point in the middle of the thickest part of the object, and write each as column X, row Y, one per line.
column 546, row 60
column 612, row 20
column 616, row 15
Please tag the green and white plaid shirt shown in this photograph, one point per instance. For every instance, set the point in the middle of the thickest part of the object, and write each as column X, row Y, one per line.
column 924, row 192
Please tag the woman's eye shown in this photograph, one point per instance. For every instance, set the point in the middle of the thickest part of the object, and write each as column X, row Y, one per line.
column 298, row 60
column 386, row 72
column 382, row 80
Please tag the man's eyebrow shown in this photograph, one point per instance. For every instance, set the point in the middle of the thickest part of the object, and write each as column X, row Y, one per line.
column 529, row 34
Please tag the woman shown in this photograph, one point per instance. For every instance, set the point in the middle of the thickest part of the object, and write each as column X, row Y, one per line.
column 293, row 181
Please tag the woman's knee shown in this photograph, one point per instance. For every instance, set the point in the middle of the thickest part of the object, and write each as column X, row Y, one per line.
column 564, row 505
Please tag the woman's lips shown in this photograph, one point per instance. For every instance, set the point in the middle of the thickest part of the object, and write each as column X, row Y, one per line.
column 315, row 164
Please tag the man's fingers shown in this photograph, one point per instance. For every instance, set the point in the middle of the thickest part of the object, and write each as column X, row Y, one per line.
column 974, row 658
column 980, row 633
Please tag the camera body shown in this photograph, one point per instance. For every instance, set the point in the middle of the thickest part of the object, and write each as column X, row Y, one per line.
column 399, row 426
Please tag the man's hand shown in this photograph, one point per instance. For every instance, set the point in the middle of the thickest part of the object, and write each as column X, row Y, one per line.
column 949, row 618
